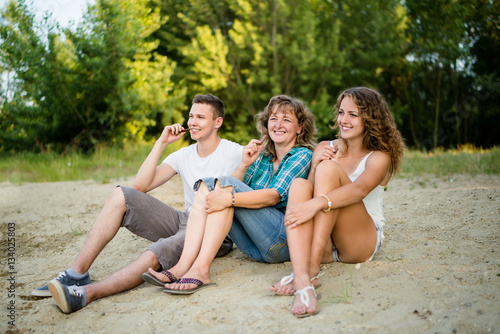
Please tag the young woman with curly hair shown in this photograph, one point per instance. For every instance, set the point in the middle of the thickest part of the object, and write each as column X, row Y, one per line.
column 336, row 214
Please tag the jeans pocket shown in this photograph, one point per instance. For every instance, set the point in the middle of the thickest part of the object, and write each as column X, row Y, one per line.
column 278, row 252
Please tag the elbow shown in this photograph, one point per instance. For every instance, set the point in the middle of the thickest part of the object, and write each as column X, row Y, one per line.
column 270, row 198
column 358, row 191
column 139, row 187
column 362, row 192
column 277, row 199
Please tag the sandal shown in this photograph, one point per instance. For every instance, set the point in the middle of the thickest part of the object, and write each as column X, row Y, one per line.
column 199, row 285
column 147, row 277
column 304, row 299
column 289, row 279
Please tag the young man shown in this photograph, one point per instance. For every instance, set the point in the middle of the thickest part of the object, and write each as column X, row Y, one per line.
column 146, row 216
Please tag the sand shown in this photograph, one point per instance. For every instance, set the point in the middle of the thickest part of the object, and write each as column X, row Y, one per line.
column 437, row 272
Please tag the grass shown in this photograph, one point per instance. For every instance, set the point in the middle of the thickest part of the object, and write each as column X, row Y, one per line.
column 392, row 259
column 108, row 163
column 75, row 231
column 104, row 164
column 463, row 160
column 343, row 296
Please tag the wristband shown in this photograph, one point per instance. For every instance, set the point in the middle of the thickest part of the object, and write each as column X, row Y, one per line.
column 329, row 203
column 232, row 195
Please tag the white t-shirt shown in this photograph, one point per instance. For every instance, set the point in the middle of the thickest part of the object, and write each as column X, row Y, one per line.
column 191, row 167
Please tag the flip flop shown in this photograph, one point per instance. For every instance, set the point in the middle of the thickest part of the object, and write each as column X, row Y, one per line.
column 200, row 285
column 147, row 277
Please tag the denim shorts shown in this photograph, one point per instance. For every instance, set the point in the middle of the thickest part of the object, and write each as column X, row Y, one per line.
column 259, row 234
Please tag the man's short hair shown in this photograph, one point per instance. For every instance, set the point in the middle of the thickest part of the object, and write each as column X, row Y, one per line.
column 213, row 101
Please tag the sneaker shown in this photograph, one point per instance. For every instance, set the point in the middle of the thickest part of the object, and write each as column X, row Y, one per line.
column 65, row 279
column 68, row 298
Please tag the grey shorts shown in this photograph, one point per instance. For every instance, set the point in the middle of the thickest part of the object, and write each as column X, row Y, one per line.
column 156, row 221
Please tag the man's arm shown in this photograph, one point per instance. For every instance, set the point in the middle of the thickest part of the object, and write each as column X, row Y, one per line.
column 152, row 175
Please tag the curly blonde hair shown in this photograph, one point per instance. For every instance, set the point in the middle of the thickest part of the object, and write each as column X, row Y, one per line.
column 306, row 138
column 381, row 133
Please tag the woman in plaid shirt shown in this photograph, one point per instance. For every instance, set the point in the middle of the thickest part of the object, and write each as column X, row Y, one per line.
column 250, row 204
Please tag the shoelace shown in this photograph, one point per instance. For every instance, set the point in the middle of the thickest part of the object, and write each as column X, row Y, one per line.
column 61, row 275
column 75, row 291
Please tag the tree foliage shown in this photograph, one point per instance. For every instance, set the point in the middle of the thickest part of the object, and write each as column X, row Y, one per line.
column 132, row 67
column 75, row 88
column 249, row 50
column 448, row 99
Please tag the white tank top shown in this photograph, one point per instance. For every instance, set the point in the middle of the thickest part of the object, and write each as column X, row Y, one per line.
column 374, row 200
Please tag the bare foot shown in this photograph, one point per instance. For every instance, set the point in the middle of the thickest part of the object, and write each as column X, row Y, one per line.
column 305, row 303
column 162, row 277
column 285, row 289
column 285, row 286
column 205, row 278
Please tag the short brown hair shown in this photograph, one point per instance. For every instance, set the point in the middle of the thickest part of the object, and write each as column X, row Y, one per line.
column 217, row 106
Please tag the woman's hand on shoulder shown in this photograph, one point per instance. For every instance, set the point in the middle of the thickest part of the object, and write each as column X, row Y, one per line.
column 339, row 147
column 322, row 152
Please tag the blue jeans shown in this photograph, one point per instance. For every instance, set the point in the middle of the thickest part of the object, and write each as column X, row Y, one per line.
column 260, row 234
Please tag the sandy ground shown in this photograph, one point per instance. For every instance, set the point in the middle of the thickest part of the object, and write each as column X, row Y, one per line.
column 436, row 273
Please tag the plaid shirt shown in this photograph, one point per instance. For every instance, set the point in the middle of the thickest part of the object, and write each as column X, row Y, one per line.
column 295, row 164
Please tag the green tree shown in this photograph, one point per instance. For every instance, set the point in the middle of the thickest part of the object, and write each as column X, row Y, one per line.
column 480, row 108
column 447, row 83
column 26, row 63
column 246, row 51
column 98, row 83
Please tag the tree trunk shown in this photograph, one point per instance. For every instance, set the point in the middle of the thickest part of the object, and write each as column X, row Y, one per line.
column 438, row 101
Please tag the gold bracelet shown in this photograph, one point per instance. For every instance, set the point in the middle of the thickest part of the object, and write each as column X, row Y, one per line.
column 329, row 203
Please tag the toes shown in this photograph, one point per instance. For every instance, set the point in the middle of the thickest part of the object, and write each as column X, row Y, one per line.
column 288, row 290
column 283, row 289
column 156, row 274
column 299, row 310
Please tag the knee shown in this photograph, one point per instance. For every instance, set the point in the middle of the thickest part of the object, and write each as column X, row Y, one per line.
column 202, row 189
column 201, row 196
column 117, row 200
column 226, row 189
column 327, row 168
column 149, row 257
column 301, row 185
